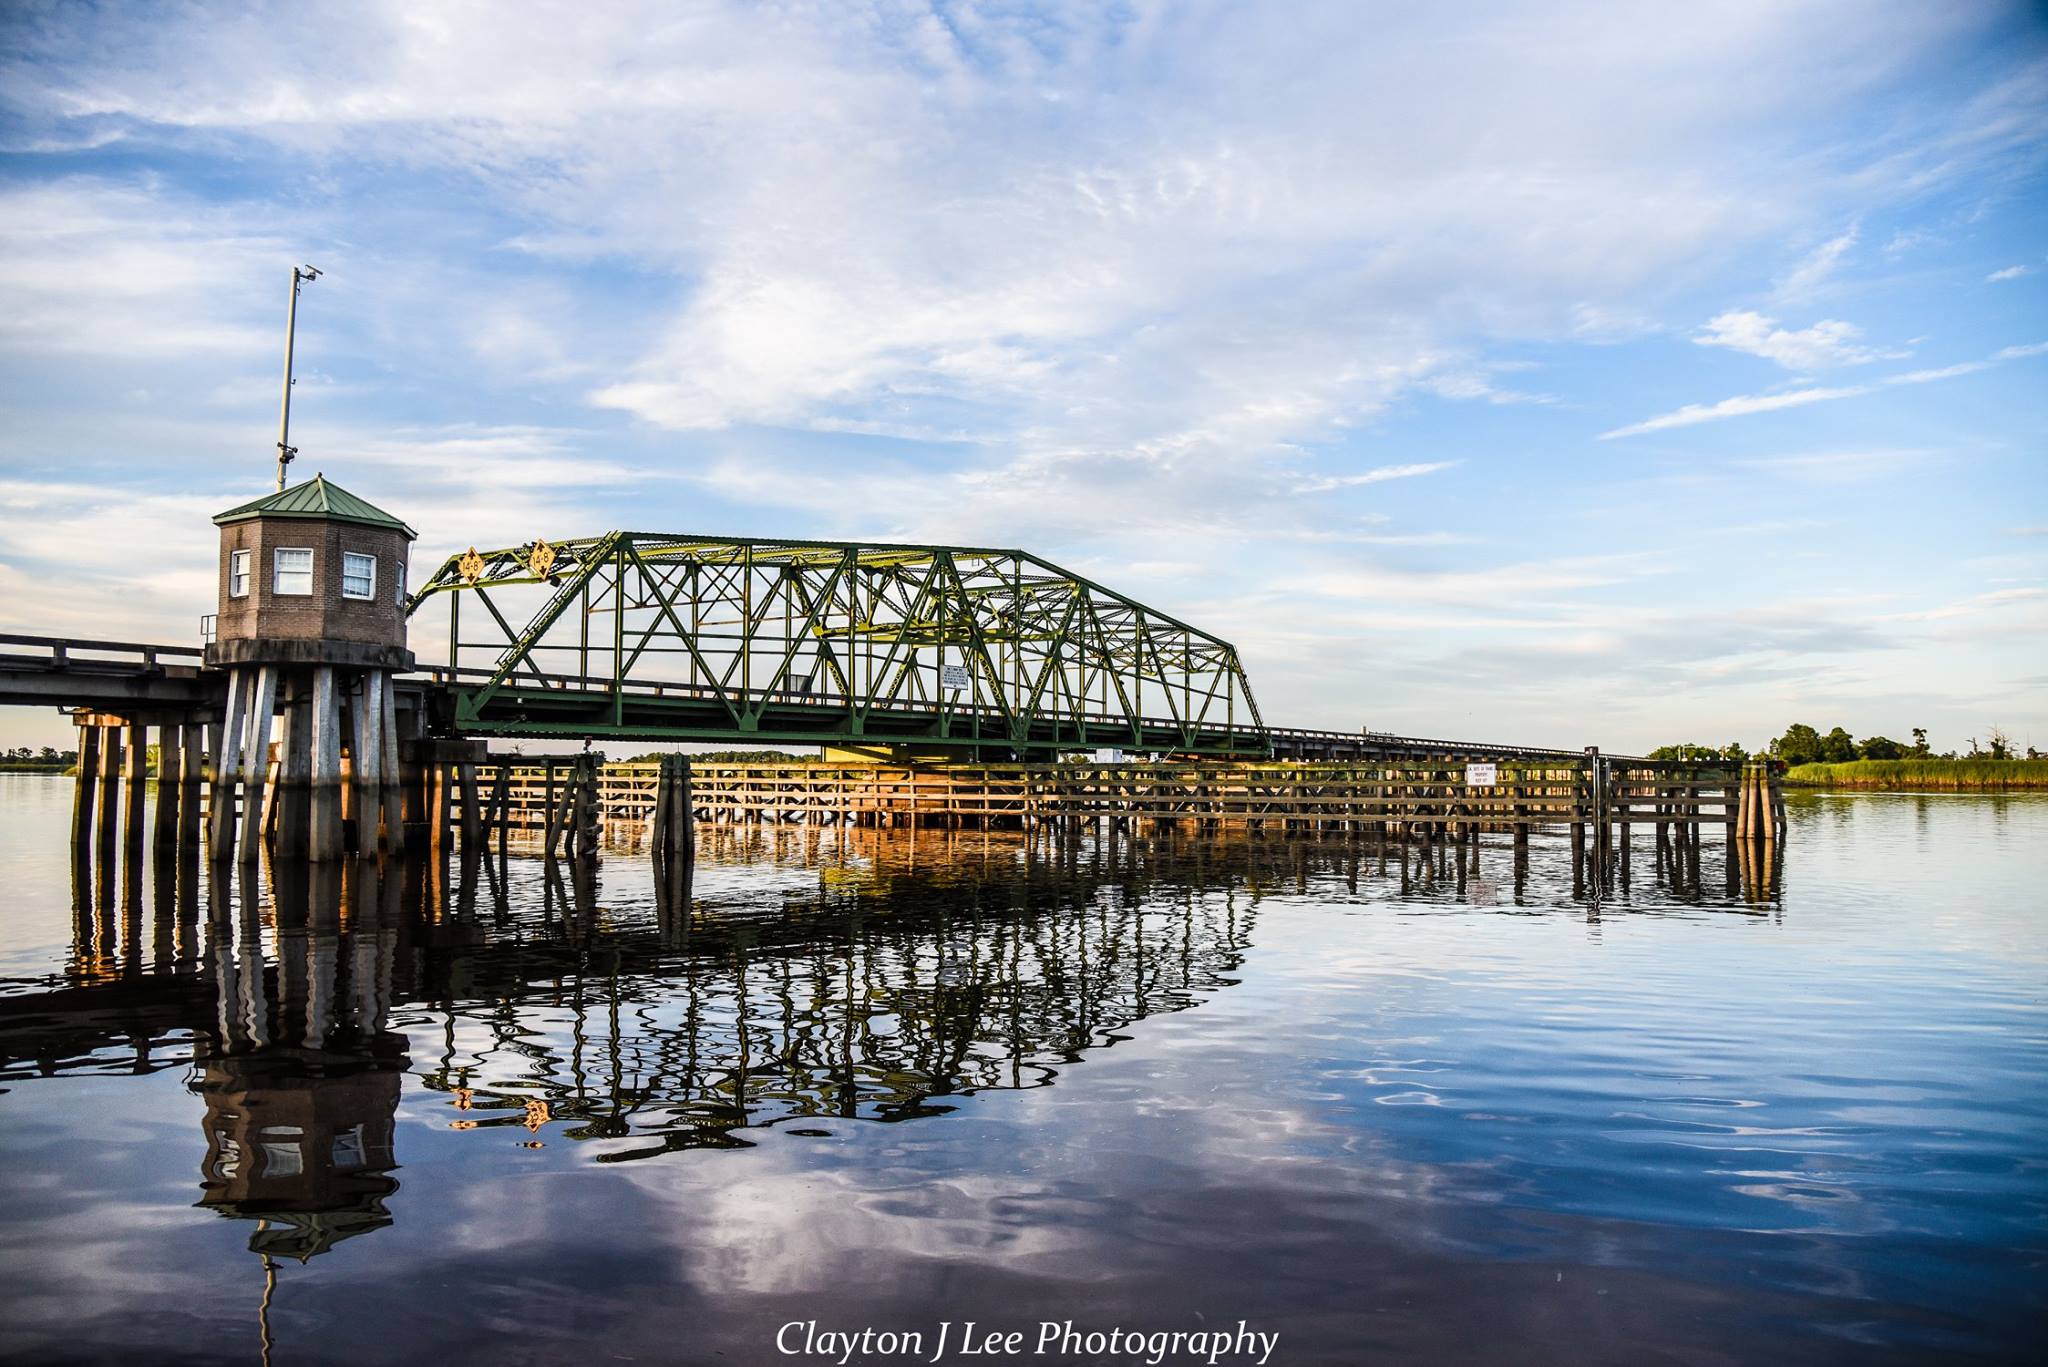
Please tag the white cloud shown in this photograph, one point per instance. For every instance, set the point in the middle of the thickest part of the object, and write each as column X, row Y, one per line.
column 1736, row 407
column 2009, row 273
column 1817, row 266
column 94, row 268
column 1839, row 467
column 1378, row 475
column 1826, row 344
column 1742, row 405
column 1090, row 228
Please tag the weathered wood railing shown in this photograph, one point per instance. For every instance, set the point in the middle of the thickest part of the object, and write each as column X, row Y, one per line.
column 1428, row 798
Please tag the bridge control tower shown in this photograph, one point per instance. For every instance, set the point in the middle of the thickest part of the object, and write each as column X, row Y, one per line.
column 311, row 626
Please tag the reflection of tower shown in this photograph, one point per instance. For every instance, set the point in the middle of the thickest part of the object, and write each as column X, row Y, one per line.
column 302, row 1098
column 303, row 1142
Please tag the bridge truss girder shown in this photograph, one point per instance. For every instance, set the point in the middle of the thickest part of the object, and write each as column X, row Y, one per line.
column 661, row 637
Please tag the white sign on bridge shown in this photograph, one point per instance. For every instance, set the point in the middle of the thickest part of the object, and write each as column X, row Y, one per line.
column 954, row 676
column 1481, row 775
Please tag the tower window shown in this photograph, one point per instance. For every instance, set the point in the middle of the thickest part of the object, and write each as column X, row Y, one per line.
column 292, row 571
column 400, row 577
column 238, row 573
column 358, row 575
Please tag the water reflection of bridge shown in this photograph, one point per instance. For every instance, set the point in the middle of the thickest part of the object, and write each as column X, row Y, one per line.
column 811, row 977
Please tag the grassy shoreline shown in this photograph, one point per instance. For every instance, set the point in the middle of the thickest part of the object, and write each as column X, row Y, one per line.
column 1910, row 775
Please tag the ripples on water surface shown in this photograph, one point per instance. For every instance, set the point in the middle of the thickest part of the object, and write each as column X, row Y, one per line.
column 884, row 1079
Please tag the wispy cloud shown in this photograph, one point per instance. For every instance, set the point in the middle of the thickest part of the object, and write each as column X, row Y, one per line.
column 1741, row 405
column 2009, row 273
column 1826, row 344
column 1838, row 467
column 1817, row 266
column 1378, row 475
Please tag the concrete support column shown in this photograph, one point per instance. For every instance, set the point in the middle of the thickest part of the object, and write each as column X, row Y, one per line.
column 227, row 761
column 326, row 806
column 366, row 762
column 255, row 758
column 191, row 740
column 87, row 788
column 170, row 783
column 108, row 779
column 472, row 816
column 291, row 798
column 389, row 778
column 134, row 778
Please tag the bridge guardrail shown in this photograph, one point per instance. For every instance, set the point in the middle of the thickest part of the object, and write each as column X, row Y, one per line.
column 61, row 650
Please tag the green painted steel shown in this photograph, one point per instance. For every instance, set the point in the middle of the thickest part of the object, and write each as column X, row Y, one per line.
column 315, row 498
column 648, row 635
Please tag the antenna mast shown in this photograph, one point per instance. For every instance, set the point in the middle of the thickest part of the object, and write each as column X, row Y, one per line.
column 285, row 450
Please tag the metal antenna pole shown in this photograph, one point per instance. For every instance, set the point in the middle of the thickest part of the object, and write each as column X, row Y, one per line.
column 285, row 450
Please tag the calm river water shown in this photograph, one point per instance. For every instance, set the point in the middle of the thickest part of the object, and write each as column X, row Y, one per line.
column 890, row 1081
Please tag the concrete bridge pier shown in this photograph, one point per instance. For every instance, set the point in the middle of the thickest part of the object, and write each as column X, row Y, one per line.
column 109, row 801
column 312, row 621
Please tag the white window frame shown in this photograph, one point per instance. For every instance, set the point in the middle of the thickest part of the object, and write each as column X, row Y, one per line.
column 278, row 571
column 399, row 599
column 370, row 590
column 241, row 569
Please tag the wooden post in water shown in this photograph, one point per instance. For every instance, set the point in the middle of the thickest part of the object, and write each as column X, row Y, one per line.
column 390, row 778
column 170, row 785
column 325, row 811
column 85, row 790
column 548, row 807
column 363, row 791
column 227, row 763
column 501, row 798
column 661, row 817
column 134, row 777
column 109, row 780
column 685, row 815
column 192, row 741
column 589, row 806
column 291, row 796
column 256, row 759
column 472, row 815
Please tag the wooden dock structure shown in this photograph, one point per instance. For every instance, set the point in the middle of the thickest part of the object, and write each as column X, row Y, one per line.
column 1600, row 801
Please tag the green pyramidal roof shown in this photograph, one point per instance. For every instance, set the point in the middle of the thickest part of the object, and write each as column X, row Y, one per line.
column 316, row 498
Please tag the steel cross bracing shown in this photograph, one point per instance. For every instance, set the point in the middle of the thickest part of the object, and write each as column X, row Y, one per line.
column 637, row 634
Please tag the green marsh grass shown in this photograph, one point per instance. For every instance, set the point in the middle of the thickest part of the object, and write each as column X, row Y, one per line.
column 1908, row 775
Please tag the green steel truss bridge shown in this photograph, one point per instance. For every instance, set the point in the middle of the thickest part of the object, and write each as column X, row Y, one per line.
column 945, row 651
column 638, row 635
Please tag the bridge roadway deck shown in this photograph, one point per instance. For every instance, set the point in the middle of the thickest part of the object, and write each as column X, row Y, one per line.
column 134, row 679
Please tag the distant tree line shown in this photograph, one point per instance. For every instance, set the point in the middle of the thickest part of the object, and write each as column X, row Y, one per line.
column 21, row 757
column 1803, row 744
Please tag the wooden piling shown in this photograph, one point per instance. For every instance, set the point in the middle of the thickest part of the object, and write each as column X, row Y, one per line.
column 85, row 790
column 256, row 758
column 170, row 784
column 472, row 816
column 108, row 779
column 191, row 740
column 548, row 809
column 134, row 778
column 390, row 779
column 366, row 764
column 324, row 839
column 227, row 763
column 290, row 797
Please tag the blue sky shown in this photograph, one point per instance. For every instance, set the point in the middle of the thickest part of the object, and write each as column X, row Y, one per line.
column 1555, row 373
